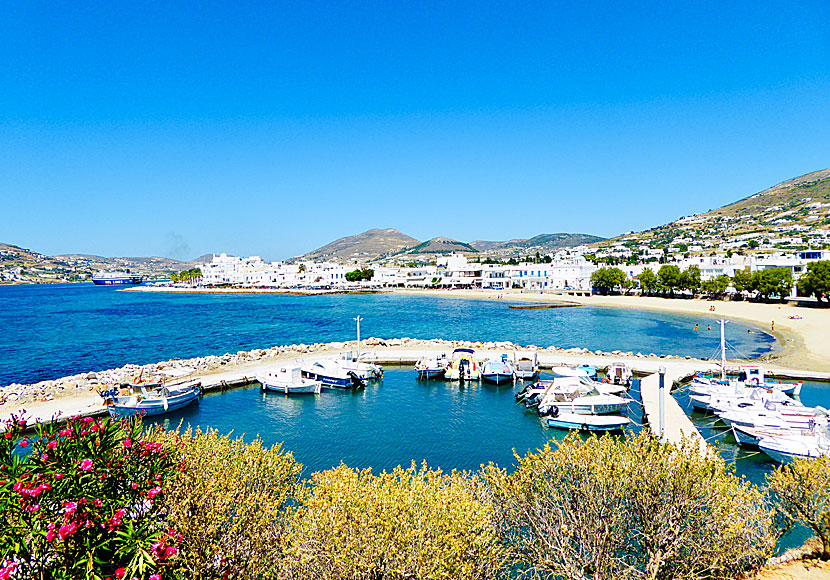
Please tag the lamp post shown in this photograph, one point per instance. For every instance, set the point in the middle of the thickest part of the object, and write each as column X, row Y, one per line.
column 358, row 319
column 662, row 403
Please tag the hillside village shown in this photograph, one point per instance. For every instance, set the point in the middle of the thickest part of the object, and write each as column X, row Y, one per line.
column 786, row 226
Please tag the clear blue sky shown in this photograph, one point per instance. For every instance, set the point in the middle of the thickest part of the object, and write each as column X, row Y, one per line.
column 273, row 128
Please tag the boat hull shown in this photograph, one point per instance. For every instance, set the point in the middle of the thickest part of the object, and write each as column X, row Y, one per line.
column 117, row 281
column 310, row 388
column 587, row 422
column 152, row 407
column 496, row 378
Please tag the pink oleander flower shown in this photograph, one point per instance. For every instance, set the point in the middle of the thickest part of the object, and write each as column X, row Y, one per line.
column 86, row 465
column 153, row 492
column 51, row 445
column 58, row 476
column 24, row 443
column 154, row 577
column 67, row 530
column 120, row 573
column 70, row 507
column 134, row 485
column 127, row 443
column 7, row 569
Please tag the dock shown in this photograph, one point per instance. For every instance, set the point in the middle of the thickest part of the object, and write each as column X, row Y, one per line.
column 677, row 424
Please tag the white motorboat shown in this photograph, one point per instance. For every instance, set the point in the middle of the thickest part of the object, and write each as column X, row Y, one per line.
column 569, row 372
column 580, row 399
column 365, row 370
column 498, row 371
column 582, row 422
column 432, row 366
column 724, row 402
column 532, row 394
column 775, row 416
column 332, row 374
column 288, row 380
column 808, row 445
column 619, row 374
column 463, row 366
column 526, row 365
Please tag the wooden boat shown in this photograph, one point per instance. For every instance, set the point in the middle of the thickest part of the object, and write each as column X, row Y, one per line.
column 288, row 380
column 152, row 399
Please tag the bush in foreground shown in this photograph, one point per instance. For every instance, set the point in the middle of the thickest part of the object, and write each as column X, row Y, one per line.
column 801, row 490
column 410, row 523
column 84, row 500
column 630, row 508
column 229, row 500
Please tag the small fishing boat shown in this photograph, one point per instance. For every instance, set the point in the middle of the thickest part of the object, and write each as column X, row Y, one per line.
column 575, row 421
column 619, row 374
column 526, row 365
column 332, row 375
column 432, row 366
column 532, row 394
column 579, row 398
column 497, row 371
column 288, row 380
column 463, row 366
column 151, row 399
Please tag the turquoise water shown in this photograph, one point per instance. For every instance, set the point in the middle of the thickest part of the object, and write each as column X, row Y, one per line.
column 49, row 331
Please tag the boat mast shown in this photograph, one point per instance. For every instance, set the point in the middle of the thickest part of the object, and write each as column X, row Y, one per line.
column 722, row 350
column 358, row 319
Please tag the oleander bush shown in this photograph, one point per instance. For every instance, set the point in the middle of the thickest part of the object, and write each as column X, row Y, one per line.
column 801, row 492
column 84, row 500
column 413, row 523
column 630, row 508
column 230, row 500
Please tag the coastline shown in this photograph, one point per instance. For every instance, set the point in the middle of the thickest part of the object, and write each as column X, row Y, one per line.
column 803, row 343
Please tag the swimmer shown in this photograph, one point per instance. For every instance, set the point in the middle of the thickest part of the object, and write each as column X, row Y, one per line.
column 696, row 326
column 709, row 327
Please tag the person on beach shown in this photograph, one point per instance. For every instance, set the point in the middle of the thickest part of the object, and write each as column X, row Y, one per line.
column 772, row 326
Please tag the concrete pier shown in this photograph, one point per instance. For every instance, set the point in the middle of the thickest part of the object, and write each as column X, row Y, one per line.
column 677, row 424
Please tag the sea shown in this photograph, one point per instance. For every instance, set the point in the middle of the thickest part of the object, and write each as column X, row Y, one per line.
column 50, row 331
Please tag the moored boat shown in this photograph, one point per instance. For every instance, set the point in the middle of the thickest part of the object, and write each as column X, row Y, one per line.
column 288, row 380
column 152, row 399
column 432, row 366
column 619, row 374
column 526, row 365
column 332, row 375
column 805, row 446
column 463, row 366
column 498, row 371
column 579, row 422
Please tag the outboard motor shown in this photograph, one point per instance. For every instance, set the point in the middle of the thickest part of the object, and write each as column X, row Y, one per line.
column 357, row 382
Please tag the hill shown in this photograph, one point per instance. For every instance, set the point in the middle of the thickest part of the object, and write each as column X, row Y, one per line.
column 23, row 265
column 543, row 243
column 440, row 246
column 792, row 215
column 365, row 247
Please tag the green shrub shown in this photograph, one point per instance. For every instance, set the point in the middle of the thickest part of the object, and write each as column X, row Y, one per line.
column 410, row 523
column 229, row 501
column 631, row 508
column 801, row 490
column 84, row 500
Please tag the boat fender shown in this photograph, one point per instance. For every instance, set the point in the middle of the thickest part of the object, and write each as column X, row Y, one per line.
column 605, row 380
column 554, row 412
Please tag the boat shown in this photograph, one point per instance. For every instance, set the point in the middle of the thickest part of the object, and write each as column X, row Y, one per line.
column 532, row 394
column 463, row 366
column 775, row 416
column 569, row 372
column 288, row 380
column 581, row 398
column 151, row 399
column 365, row 370
column 102, row 278
column 432, row 366
column 619, row 374
column 805, row 446
column 498, row 371
column 750, row 436
column 575, row 421
column 590, row 370
column 527, row 365
column 332, row 374
column 722, row 403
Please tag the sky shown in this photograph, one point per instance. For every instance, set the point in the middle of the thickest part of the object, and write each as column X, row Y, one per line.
column 180, row 128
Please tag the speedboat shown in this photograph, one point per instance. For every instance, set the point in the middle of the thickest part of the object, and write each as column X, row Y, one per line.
column 569, row 372
column 431, row 366
column 365, row 370
column 775, row 416
column 463, row 366
column 497, row 371
column 288, row 380
column 151, row 399
column 332, row 374
column 619, row 374
column 532, row 394
column 749, row 377
column 527, row 366
column 580, row 422
column 722, row 403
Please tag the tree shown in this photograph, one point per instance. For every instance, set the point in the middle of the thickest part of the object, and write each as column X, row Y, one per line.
column 716, row 286
column 606, row 279
column 816, row 281
column 690, row 279
column 648, row 280
column 742, row 280
column 669, row 278
column 358, row 275
column 773, row 282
